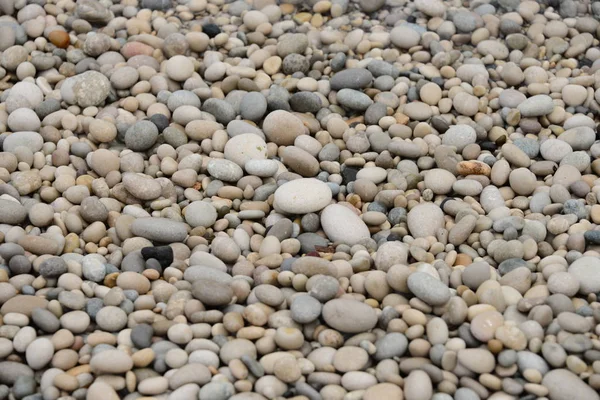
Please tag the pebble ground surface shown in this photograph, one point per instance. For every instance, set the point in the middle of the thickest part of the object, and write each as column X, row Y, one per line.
column 312, row 200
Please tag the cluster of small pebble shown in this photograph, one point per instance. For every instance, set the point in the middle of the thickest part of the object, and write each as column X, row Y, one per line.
column 304, row 199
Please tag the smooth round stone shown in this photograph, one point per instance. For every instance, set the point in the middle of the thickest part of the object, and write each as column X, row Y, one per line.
column 574, row 95
column 153, row 386
column 262, row 168
column 53, row 267
column 418, row 386
column 439, row 180
column 200, row 213
column 12, row 212
column 86, row 90
column 29, row 91
column 352, row 78
column 405, row 37
column 579, row 138
column 212, row 293
column 294, row 43
column 282, row 127
column 253, row 106
column 564, row 283
column 511, row 98
column 179, row 68
column 45, row 320
column 484, row 325
column 130, row 280
column 459, row 136
column 305, row 102
column 39, row 353
column 111, row 362
column 23, row 119
column 235, row 349
column 245, row 147
column 141, row 136
column 522, row 181
column 102, row 131
column 353, row 99
column 32, row 140
column 425, row 220
column 428, row 289
column 555, row 150
column 587, row 271
column 159, row 229
column 142, row 186
column 111, row 319
column 342, row 225
column 302, row 196
column 562, row 384
column 349, row 316
column 383, row 391
column 305, row 309
column 536, row 106
column 217, row 391
column 391, row 345
column 225, row 170
column 480, row 361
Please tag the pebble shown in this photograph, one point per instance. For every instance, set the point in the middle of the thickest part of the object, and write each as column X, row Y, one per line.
column 332, row 200
column 425, row 220
column 342, row 225
column 349, row 316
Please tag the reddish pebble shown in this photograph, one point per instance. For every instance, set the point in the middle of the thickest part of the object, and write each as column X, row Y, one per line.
column 60, row 39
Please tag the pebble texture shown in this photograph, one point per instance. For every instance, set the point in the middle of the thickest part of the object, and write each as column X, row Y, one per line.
column 318, row 200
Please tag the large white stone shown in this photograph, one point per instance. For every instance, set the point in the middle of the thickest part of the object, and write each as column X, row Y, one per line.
column 587, row 271
column 302, row 196
column 245, row 147
column 425, row 220
column 342, row 225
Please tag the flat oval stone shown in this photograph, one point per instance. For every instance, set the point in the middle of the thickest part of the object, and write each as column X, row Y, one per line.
column 302, row 196
column 159, row 229
column 428, row 289
column 353, row 78
column 350, row 316
column 562, row 384
column 342, row 225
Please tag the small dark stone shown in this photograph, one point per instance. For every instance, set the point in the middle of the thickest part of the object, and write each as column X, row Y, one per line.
column 53, row 267
column 489, row 146
column 141, row 336
column 464, row 332
column 211, row 30
column 511, row 264
column 377, row 206
column 19, row 265
column 440, row 124
column 337, row 62
column 309, row 240
column 24, row 386
column 92, row 307
column 162, row 254
column 374, row 113
column 47, row 107
column 397, row 215
column 393, row 237
column 45, row 320
column 156, row 4
column 592, row 237
column 28, row 290
column 160, row 120
column 349, row 175
column 305, row 102
column 276, row 103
